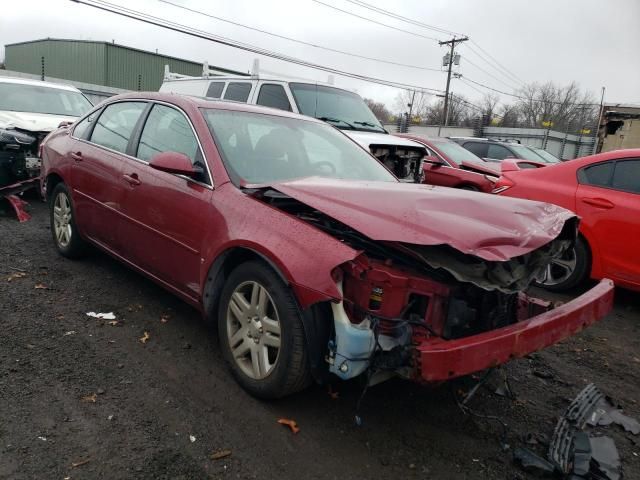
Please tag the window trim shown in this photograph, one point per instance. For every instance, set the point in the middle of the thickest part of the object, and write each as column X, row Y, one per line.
column 609, row 185
column 144, row 116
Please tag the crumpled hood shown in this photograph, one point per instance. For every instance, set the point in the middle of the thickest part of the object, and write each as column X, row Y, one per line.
column 488, row 169
column 366, row 139
column 488, row 226
column 34, row 122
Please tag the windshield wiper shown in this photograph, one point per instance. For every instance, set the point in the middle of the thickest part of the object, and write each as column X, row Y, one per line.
column 369, row 124
column 337, row 120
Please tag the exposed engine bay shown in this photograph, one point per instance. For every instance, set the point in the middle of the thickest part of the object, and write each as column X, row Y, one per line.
column 19, row 158
column 404, row 161
column 396, row 295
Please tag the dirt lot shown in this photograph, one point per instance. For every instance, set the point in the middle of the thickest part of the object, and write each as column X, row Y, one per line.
column 150, row 398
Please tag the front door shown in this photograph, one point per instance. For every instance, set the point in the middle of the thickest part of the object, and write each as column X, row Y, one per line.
column 166, row 214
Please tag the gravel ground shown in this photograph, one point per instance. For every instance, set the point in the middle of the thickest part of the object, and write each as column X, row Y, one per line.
column 82, row 398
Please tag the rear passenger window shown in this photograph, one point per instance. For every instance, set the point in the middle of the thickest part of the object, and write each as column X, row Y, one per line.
column 477, row 148
column 272, row 95
column 238, row 92
column 598, row 175
column 113, row 128
column 499, row 152
column 627, row 176
column 215, row 89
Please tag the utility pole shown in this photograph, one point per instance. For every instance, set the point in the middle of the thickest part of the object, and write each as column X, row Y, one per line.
column 596, row 138
column 452, row 43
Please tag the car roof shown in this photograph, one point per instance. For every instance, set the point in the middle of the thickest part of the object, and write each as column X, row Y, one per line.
column 201, row 102
column 39, row 83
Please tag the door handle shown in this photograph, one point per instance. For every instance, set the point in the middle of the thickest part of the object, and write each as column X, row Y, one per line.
column 598, row 202
column 77, row 156
column 132, row 179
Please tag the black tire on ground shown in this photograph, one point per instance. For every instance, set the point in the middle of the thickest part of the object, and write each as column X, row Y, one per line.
column 291, row 372
column 75, row 246
column 581, row 271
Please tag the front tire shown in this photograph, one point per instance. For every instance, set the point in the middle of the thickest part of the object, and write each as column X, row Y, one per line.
column 63, row 226
column 570, row 270
column 261, row 333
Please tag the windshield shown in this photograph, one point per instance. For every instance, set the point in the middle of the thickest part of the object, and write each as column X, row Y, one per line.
column 343, row 109
column 546, row 156
column 457, row 153
column 18, row 97
column 526, row 153
column 258, row 148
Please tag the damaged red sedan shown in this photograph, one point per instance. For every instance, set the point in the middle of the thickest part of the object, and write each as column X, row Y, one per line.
column 310, row 256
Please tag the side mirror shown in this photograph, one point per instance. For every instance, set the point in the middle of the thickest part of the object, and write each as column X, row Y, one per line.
column 435, row 161
column 509, row 165
column 174, row 162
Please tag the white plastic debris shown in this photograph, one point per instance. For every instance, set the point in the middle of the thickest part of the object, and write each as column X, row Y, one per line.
column 192, row 438
column 104, row 316
column 70, row 332
column 110, row 417
column 44, row 439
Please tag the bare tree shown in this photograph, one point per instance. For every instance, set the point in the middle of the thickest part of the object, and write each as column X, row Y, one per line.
column 420, row 103
column 460, row 114
column 562, row 107
column 379, row 109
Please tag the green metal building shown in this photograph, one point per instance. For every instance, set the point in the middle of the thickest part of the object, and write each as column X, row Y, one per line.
column 98, row 63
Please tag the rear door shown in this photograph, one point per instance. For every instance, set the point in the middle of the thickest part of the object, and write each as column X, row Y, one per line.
column 166, row 214
column 99, row 149
column 608, row 200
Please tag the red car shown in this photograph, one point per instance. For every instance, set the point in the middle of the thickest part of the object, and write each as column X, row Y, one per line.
column 448, row 164
column 311, row 257
column 604, row 190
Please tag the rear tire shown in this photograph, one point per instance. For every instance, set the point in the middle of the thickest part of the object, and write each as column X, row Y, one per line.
column 261, row 334
column 570, row 270
column 63, row 225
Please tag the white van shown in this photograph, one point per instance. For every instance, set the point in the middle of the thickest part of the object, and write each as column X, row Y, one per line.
column 341, row 108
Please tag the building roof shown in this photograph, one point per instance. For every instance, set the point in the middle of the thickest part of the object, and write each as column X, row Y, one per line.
column 146, row 52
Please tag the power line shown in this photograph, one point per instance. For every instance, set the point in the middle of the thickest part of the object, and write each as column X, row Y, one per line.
column 518, row 79
column 177, row 27
column 501, row 69
column 490, row 74
column 375, row 21
column 505, row 73
column 351, row 54
column 404, row 19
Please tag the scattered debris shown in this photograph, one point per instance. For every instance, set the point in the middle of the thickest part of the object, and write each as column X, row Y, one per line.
column 103, row 316
column 44, row 439
column 574, row 451
column 80, row 463
column 217, row 455
column 289, row 423
column 15, row 275
column 40, row 286
column 532, row 463
column 544, row 374
column 110, row 417
column 605, row 414
column 164, row 318
column 90, row 398
column 70, row 332
column 114, row 323
column 192, row 438
column 606, row 458
column 145, row 337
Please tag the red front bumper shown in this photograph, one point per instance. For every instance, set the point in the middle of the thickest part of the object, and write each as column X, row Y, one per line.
column 446, row 359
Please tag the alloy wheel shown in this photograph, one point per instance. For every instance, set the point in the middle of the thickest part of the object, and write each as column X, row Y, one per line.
column 560, row 269
column 62, row 219
column 253, row 329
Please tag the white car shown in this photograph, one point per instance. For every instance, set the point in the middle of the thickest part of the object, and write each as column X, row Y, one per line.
column 29, row 110
column 341, row 108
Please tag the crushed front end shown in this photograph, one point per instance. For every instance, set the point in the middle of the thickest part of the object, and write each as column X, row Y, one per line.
column 404, row 161
column 432, row 312
column 19, row 159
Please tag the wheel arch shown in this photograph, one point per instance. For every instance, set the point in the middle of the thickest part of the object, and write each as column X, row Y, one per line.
column 51, row 180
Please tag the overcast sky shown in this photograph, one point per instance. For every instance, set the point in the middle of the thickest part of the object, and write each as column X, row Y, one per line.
column 594, row 42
